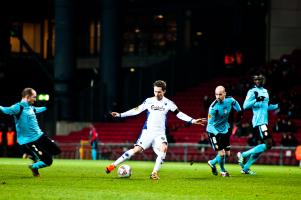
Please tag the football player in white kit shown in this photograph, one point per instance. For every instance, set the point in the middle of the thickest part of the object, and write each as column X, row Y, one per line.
column 153, row 132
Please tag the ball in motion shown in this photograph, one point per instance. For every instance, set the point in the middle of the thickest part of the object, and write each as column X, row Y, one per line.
column 124, row 171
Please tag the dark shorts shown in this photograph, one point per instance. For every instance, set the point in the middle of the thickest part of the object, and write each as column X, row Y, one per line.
column 220, row 141
column 42, row 149
column 262, row 132
column 94, row 144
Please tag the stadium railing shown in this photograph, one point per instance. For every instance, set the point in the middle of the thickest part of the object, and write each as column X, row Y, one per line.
column 178, row 152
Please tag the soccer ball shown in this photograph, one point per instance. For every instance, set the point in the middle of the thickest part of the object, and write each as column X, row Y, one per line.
column 124, row 171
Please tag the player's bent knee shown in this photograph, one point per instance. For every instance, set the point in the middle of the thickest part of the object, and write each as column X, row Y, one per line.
column 221, row 153
column 56, row 151
column 137, row 149
column 48, row 161
column 164, row 148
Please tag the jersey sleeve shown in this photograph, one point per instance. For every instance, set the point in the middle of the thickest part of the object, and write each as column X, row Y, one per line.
column 40, row 109
column 179, row 114
column 250, row 100
column 12, row 110
column 184, row 117
column 236, row 106
column 173, row 106
column 273, row 107
column 135, row 111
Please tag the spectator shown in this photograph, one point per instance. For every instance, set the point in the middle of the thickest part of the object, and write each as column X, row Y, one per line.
column 94, row 142
column 203, row 141
column 289, row 140
column 252, row 140
column 246, row 129
column 291, row 127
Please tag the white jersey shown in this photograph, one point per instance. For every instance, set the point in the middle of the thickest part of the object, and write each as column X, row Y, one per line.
column 156, row 113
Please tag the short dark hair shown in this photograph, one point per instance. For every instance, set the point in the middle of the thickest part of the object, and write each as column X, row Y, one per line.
column 161, row 84
column 27, row 91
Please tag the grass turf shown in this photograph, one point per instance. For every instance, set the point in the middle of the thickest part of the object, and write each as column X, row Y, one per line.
column 86, row 179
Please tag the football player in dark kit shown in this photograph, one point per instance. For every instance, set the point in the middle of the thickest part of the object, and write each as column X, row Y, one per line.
column 33, row 140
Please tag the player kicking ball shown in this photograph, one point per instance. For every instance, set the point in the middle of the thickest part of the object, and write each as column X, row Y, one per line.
column 153, row 132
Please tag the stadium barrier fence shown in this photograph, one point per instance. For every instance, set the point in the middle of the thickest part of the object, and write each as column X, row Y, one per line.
column 178, row 152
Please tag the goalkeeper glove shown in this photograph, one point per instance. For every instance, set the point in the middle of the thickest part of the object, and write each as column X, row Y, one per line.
column 261, row 98
column 258, row 98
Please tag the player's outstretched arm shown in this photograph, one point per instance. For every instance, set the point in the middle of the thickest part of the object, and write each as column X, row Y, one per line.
column 200, row 121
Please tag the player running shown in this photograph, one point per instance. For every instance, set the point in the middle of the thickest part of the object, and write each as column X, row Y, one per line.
column 218, row 128
column 257, row 99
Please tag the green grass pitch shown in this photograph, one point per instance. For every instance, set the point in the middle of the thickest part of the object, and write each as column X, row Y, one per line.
column 86, row 179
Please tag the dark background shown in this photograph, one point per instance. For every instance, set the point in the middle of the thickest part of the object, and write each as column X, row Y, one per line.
column 135, row 47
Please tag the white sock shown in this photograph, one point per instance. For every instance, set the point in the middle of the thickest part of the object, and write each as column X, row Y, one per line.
column 159, row 161
column 125, row 156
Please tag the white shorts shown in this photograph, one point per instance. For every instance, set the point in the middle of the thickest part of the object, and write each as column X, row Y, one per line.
column 148, row 138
